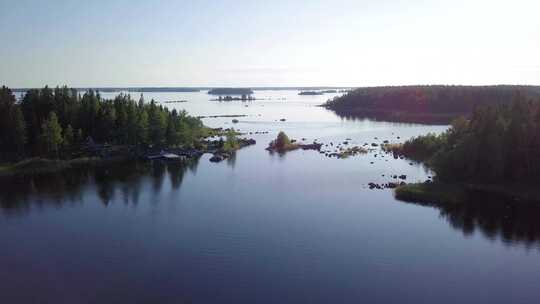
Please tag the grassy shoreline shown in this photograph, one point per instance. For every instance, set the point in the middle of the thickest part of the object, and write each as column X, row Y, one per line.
column 431, row 193
column 444, row 193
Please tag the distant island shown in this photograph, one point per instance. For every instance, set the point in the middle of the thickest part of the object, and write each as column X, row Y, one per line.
column 127, row 89
column 424, row 104
column 310, row 93
column 230, row 91
column 317, row 92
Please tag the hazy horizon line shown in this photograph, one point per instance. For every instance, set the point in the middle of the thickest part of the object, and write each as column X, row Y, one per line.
column 204, row 87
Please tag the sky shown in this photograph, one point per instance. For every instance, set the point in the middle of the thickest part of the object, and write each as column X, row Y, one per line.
column 268, row 43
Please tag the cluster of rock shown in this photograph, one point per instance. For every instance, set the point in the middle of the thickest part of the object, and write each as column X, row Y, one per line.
column 294, row 146
column 258, row 132
column 174, row 101
column 223, row 116
column 344, row 153
column 397, row 183
column 231, row 98
column 220, row 155
column 342, row 150
column 388, row 185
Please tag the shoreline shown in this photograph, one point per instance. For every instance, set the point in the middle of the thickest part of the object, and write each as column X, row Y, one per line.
column 37, row 166
column 429, row 118
column 447, row 193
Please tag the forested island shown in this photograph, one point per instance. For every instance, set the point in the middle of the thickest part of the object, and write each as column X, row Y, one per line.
column 496, row 150
column 62, row 125
column 230, row 91
column 310, row 93
column 317, row 92
column 424, row 104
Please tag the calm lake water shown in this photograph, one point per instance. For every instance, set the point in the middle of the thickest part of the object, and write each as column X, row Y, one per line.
column 262, row 228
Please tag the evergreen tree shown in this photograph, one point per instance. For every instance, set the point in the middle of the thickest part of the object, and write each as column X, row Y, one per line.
column 142, row 127
column 12, row 127
column 131, row 123
column 52, row 135
column 69, row 137
column 157, row 123
column 19, row 132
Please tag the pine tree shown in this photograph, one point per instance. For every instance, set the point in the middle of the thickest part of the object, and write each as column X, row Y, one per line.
column 142, row 127
column 52, row 134
column 12, row 127
column 157, row 123
column 19, row 131
column 69, row 137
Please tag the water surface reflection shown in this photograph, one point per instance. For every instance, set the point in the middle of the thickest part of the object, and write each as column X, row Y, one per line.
column 495, row 218
column 69, row 187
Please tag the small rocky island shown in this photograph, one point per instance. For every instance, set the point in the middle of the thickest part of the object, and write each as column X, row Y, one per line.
column 244, row 97
column 224, row 149
column 284, row 144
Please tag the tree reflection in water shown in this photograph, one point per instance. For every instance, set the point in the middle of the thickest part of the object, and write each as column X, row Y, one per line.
column 69, row 187
column 496, row 218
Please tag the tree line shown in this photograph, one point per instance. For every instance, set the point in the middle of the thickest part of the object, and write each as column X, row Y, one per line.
column 499, row 143
column 437, row 99
column 49, row 122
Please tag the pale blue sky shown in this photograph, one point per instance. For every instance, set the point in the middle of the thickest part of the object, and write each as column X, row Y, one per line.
column 268, row 43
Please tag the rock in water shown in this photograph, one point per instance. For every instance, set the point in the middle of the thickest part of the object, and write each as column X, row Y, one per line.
column 216, row 158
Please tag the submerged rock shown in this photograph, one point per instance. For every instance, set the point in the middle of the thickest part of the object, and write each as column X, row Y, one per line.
column 374, row 186
column 313, row 146
column 216, row 158
column 391, row 185
column 244, row 142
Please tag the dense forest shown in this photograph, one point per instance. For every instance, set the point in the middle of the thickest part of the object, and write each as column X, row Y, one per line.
column 52, row 122
column 497, row 144
column 424, row 103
